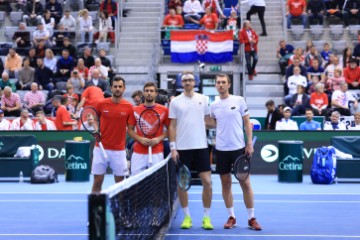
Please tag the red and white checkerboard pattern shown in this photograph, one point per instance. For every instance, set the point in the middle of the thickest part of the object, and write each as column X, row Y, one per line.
column 201, row 46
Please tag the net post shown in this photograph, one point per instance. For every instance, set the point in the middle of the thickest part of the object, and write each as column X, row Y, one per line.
column 98, row 210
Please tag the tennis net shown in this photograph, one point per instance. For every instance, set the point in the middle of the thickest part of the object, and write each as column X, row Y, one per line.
column 139, row 207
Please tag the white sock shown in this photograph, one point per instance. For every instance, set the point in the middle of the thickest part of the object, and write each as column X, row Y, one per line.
column 250, row 213
column 186, row 211
column 206, row 212
column 231, row 212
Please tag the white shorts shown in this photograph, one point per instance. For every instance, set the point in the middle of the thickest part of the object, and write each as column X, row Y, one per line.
column 140, row 162
column 115, row 159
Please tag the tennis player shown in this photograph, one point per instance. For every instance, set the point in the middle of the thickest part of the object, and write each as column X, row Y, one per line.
column 140, row 156
column 114, row 113
column 187, row 134
column 230, row 115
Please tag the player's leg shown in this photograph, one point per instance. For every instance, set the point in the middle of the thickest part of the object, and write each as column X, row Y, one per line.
column 202, row 164
column 98, row 169
column 138, row 163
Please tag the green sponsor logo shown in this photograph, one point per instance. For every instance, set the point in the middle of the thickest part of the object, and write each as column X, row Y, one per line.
column 75, row 162
column 290, row 163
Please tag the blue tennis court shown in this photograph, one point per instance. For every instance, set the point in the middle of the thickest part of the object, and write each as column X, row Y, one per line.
column 285, row 211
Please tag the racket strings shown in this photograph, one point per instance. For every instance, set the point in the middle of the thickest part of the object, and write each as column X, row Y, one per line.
column 149, row 122
column 90, row 121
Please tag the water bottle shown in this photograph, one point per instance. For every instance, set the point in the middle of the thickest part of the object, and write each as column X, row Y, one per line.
column 21, row 177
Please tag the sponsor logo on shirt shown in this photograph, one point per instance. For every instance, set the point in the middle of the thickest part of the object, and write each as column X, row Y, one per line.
column 232, row 108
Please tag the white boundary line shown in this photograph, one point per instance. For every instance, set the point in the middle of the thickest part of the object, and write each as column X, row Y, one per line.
column 45, row 234
column 43, row 200
column 47, row 193
column 190, row 192
column 250, row 235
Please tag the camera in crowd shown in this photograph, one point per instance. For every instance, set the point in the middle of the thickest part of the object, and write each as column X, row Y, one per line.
column 162, row 97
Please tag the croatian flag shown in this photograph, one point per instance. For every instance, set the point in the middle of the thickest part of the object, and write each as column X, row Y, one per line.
column 204, row 46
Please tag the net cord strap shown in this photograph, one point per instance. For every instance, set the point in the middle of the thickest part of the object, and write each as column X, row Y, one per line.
column 126, row 184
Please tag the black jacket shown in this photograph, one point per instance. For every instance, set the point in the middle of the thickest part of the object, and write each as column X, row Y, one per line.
column 276, row 115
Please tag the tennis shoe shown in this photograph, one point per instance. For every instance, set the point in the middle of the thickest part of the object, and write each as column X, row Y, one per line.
column 254, row 225
column 206, row 224
column 187, row 223
column 231, row 223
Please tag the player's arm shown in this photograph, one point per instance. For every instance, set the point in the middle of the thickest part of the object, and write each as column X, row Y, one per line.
column 142, row 140
column 210, row 122
column 248, row 130
column 172, row 139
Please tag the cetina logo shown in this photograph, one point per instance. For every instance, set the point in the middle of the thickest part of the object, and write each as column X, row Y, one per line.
column 1, row 144
column 290, row 158
column 75, row 162
column 269, row 153
column 74, row 158
column 290, row 163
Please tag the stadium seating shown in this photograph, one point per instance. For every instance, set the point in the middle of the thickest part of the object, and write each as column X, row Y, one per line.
column 316, row 31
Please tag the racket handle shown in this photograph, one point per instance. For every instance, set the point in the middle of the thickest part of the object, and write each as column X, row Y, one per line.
column 102, row 150
column 150, row 155
column 254, row 140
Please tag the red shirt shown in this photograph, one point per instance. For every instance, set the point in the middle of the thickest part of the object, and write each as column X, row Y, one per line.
column 209, row 21
column 62, row 115
column 319, row 100
column 43, row 127
column 92, row 94
column 352, row 75
column 176, row 20
column 296, row 7
column 114, row 118
column 164, row 120
column 244, row 38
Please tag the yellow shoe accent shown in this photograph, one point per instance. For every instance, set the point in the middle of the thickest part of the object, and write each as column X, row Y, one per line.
column 187, row 223
column 207, row 223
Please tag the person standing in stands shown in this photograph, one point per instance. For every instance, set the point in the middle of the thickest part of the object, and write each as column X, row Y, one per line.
column 273, row 115
column 63, row 120
column 257, row 6
column 250, row 39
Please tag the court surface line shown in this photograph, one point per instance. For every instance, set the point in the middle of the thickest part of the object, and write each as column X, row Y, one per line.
column 43, row 200
column 190, row 192
column 267, row 235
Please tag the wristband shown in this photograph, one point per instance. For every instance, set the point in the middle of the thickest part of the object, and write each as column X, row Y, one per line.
column 172, row 146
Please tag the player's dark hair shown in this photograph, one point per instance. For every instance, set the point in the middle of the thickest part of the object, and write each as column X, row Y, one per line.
column 223, row 75
column 150, row 84
column 270, row 103
column 116, row 79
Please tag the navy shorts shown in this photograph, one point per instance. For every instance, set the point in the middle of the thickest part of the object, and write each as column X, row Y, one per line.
column 226, row 159
column 197, row 159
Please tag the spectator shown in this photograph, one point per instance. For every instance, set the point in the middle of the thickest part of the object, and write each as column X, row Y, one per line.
column 4, row 82
column 89, row 124
column 296, row 9
column 273, row 115
column 71, row 48
column 250, row 39
column 325, row 53
column 352, row 74
column 63, row 121
column 309, row 44
column 299, row 54
column 5, row 6
column 34, row 100
column 192, row 10
column 215, row 7
column 347, row 54
column 90, row 97
column 316, row 11
column 43, row 76
column 13, row 63
column 101, row 68
column 105, row 28
column 89, row 60
column 281, row 108
column 334, row 123
column 111, row 7
column 22, row 38
column 68, row 22
column 41, row 34
column 55, row 9
column 173, row 20
column 315, row 73
column 290, row 72
column 48, row 21
column 77, row 81
column 32, row 57
column 343, row 101
column 86, row 26
column 173, row 4
column 356, row 52
column 258, row 7
column 284, row 53
column 71, row 106
column 10, row 103
column 70, row 94
column 333, row 8
column 286, row 123
column 44, row 124
column 64, row 66
column 351, row 10
column 312, row 54
column 233, row 23
column 96, row 80
column 58, row 38
column 40, row 49
column 106, row 62
column 300, row 101
column 4, row 123
column 137, row 97
column 50, row 60
column 209, row 20
column 330, row 69
column 83, row 71
column 293, row 82
column 33, row 12
column 26, row 76
column 355, row 126
column 23, row 122
column 310, row 124
column 319, row 100
column 333, row 83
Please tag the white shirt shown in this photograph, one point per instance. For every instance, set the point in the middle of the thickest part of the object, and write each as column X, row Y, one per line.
column 288, row 124
column 69, row 23
column 41, row 34
column 356, row 127
column 189, row 113
column 328, row 126
column 5, row 124
column 105, row 24
column 50, row 125
column 258, row 3
column 194, row 6
column 342, row 98
column 86, row 24
column 229, row 114
column 295, row 80
column 15, row 125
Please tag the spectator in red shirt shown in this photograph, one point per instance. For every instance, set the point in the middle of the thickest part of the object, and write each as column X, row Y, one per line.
column 319, row 100
column 209, row 20
column 111, row 7
column 296, row 9
column 352, row 74
column 173, row 20
column 62, row 121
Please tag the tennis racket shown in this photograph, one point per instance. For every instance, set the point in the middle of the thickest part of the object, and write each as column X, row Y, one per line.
column 90, row 120
column 241, row 168
column 183, row 176
column 149, row 124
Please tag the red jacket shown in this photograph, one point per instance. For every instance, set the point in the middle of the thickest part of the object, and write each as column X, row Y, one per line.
column 244, row 39
column 352, row 75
